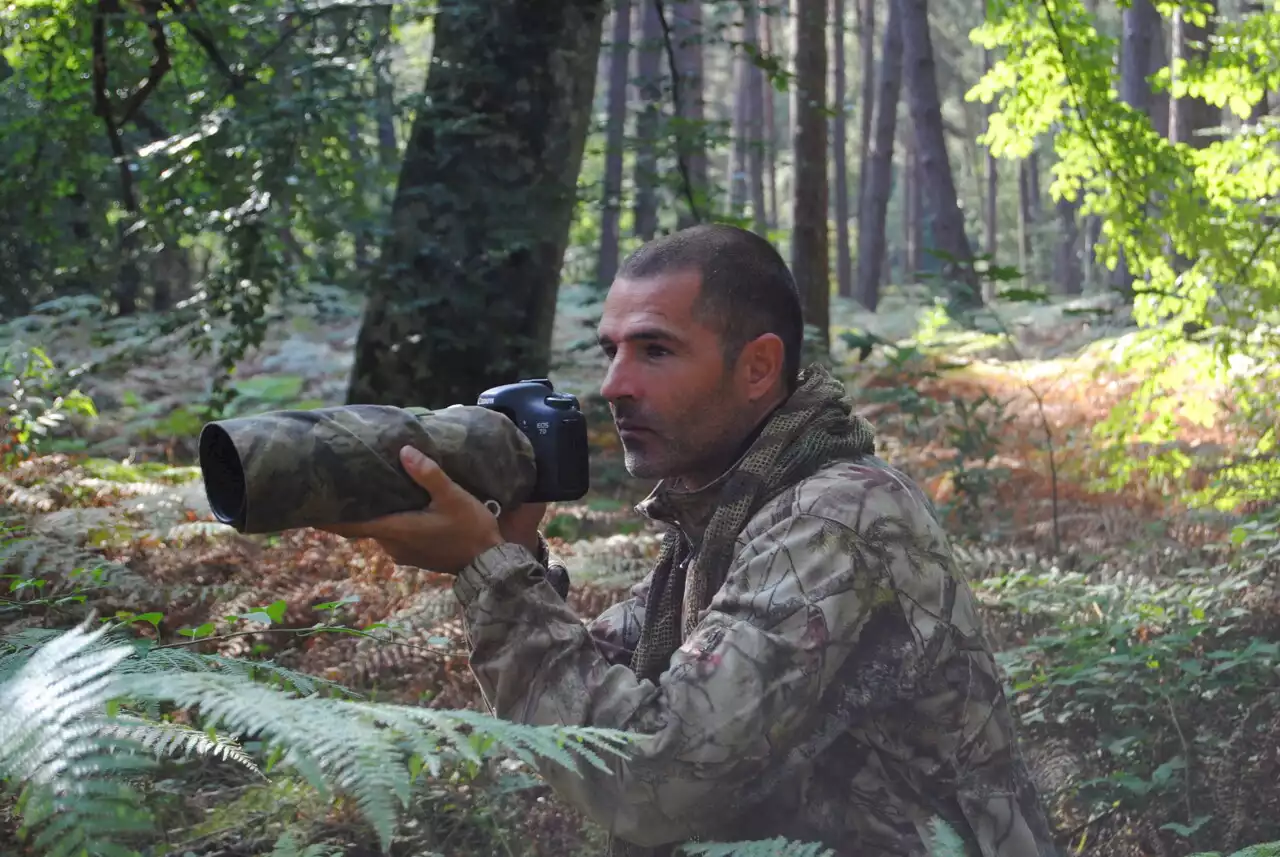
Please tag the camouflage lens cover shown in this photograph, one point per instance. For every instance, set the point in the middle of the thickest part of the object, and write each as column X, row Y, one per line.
column 287, row 469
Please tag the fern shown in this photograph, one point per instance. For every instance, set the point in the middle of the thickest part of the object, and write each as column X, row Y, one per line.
column 286, row 846
column 777, row 847
column 55, row 739
column 1262, row 849
column 74, row 760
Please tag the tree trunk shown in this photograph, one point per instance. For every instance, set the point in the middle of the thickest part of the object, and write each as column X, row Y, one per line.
column 840, row 154
column 755, row 123
column 875, row 202
column 910, row 202
column 686, row 35
column 810, row 263
column 1067, row 263
column 991, row 216
column 738, row 169
column 649, row 71
column 1141, row 31
column 926, row 115
column 1190, row 119
column 867, row 44
column 771, row 130
column 482, row 211
column 615, row 130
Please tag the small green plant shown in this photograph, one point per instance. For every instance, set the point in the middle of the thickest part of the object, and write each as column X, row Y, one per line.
column 36, row 402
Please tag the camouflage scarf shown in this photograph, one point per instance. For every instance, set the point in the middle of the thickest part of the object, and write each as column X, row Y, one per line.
column 813, row 428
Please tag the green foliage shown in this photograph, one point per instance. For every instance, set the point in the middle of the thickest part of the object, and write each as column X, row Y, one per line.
column 35, row 400
column 1197, row 224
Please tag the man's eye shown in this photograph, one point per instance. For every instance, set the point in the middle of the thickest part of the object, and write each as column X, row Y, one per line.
column 657, row 351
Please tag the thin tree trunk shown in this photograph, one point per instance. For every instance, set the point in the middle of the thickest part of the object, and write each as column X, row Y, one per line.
column 1024, row 222
column 649, row 61
column 686, row 27
column 910, row 202
column 771, row 130
column 1067, row 264
column 875, row 202
column 867, row 44
column 615, row 131
column 485, row 199
column 755, row 123
column 738, row 169
column 1141, row 32
column 840, row 159
column 810, row 263
column 926, row 115
column 1190, row 119
column 991, row 215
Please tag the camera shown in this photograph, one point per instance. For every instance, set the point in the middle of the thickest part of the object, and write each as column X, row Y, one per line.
column 557, row 430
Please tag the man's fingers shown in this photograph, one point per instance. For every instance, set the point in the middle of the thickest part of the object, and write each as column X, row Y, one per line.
column 427, row 473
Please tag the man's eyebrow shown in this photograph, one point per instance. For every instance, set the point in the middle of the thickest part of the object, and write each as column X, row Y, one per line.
column 644, row 334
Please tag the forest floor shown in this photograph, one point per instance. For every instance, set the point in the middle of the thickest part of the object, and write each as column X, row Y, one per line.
column 1142, row 641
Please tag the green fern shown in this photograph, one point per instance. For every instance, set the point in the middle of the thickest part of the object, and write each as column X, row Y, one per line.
column 287, row 846
column 75, row 761
column 1262, row 849
column 55, row 740
column 776, row 847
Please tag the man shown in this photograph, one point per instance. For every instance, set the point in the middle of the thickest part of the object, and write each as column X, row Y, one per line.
column 803, row 661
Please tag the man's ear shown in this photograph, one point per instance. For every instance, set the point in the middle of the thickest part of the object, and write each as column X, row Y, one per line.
column 760, row 365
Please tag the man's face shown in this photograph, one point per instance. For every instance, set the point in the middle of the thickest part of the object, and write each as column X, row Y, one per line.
column 678, row 408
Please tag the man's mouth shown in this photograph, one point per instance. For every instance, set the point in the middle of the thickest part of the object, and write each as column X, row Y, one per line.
column 632, row 428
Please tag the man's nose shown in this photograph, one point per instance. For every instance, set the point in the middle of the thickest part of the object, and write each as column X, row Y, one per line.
column 619, row 381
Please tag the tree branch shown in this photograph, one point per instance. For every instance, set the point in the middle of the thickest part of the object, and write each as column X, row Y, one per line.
column 159, row 65
column 102, row 100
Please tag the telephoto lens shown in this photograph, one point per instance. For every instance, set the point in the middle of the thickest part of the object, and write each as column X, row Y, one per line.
column 287, row 469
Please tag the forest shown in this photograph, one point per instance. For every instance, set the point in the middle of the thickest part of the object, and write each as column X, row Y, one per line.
column 1038, row 240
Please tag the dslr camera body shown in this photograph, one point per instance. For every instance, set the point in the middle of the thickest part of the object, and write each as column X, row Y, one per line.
column 557, row 429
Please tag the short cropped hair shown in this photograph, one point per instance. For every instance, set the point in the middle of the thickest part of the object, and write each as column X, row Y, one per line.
column 746, row 288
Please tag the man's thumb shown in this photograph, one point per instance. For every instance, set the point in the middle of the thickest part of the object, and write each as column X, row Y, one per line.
column 426, row 472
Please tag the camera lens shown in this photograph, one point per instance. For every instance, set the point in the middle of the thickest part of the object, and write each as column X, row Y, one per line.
column 223, row 475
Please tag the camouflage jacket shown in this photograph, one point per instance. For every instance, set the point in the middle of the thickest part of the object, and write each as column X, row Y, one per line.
column 838, row 690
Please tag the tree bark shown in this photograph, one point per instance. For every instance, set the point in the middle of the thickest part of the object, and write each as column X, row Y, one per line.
column 615, row 130
column 686, row 34
column 463, row 296
column 879, row 170
column 840, row 154
column 1190, row 119
column 867, row 44
column 770, row 130
column 935, row 168
column 991, row 215
column 810, row 264
column 649, row 60
column 1141, row 32
column 755, row 124
column 1067, row 264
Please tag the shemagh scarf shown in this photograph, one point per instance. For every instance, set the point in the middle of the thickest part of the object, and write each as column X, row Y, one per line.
column 814, row 427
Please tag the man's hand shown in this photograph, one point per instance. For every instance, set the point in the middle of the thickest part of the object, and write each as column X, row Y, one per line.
column 452, row 530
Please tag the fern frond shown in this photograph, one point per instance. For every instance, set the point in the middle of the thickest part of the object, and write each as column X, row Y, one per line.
column 362, row 748
column 776, row 847
column 287, row 846
column 177, row 739
column 53, row 741
column 946, row 842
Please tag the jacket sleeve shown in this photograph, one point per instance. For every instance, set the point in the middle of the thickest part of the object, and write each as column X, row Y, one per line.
column 731, row 703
